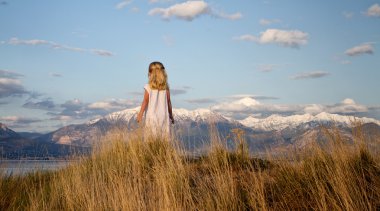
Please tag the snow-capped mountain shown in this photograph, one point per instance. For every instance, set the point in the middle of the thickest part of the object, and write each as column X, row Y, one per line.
column 5, row 132
column 195, row 128
column 180, row 115
column 277, row 122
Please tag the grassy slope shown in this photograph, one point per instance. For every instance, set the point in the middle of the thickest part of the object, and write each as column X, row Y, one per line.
column 149, row 175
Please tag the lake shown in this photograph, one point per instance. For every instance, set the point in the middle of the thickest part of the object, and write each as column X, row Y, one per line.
column 21, row 167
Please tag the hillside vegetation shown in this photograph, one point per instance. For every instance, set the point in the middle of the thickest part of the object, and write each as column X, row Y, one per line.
column 129, row 173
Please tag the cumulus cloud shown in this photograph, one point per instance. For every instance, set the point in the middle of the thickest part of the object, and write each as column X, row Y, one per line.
column 123, row 4
column 10, row 85
column 190, row 10
column 185, row 11
column 373, row 11
column 266, row 22
column 46, row 104
column 285, row 38
column 57, row 46
column 365, row 48
column 77, row 110
column 310, row 75
column 347, row 106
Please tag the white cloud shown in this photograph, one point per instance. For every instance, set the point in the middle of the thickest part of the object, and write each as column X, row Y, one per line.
column 186, row 10
column 290, row 38
column 313, row 109
column 347, row 106
column 373, row 11
column 57, row 46
column 266, row 22
column 190, row 10
column 365, row 48
column 123, row 4
column 310, row 75
column 46, row 104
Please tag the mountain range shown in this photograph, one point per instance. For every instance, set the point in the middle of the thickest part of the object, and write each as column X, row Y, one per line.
column 194, row 129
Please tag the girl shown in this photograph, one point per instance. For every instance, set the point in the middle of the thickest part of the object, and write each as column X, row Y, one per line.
column 157, row 102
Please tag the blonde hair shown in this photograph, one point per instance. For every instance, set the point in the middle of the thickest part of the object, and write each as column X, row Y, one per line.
column 158, row 79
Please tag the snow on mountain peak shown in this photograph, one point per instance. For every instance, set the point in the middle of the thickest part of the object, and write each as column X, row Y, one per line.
column 196, row 115
column 3, row 126
column 179, row 114
column 277, row 122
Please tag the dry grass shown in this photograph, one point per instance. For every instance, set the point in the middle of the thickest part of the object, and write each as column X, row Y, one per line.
column 126, row 173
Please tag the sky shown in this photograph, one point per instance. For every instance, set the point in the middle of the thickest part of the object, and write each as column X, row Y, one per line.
column 67, row 62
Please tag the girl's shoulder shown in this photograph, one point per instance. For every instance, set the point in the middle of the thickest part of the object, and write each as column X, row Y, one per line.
column 147, row 87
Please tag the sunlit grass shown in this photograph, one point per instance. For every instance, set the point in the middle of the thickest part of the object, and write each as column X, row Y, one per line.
column 126, row 172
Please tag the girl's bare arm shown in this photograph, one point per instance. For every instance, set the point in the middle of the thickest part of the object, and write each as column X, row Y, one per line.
column 169, row 106
column 143, row 106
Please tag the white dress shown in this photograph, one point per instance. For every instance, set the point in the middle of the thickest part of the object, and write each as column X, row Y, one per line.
column 157, row 121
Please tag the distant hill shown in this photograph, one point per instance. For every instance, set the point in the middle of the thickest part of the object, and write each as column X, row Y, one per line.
column 5, row 132
column 15, row 145
column 193, row 128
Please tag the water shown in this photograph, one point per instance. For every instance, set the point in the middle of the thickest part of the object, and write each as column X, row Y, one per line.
column 22, row 167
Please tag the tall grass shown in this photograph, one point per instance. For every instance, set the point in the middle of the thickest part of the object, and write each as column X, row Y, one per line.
column 128, row 173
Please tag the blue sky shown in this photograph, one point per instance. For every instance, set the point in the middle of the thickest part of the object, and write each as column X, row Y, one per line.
column 64, row 62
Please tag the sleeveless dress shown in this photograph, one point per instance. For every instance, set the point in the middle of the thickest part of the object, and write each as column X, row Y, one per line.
column 157, row 123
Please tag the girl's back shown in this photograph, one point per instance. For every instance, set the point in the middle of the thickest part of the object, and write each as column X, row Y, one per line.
column 156, row 104
column 157, row 114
